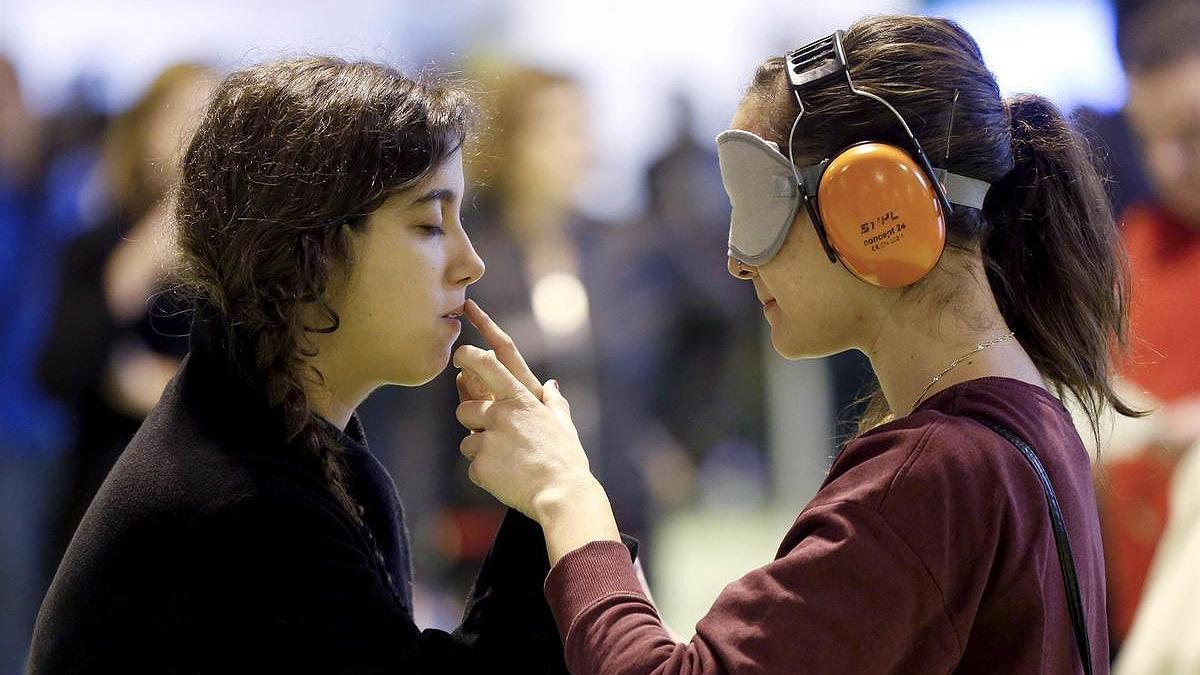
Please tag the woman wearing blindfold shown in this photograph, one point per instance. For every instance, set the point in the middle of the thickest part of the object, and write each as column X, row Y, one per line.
column 886, row 198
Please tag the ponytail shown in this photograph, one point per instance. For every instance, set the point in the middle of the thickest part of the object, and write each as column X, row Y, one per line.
column 1054, row 259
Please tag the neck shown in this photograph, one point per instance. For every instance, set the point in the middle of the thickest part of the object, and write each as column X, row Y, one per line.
column 916, row 340
column 335, row 399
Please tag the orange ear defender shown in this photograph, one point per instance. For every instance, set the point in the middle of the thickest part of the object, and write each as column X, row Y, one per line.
column 878, row 213
column 879, row 209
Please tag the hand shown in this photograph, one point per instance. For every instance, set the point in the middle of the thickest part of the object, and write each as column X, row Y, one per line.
column 524, row 448
column 524, row 451
column 470, row 387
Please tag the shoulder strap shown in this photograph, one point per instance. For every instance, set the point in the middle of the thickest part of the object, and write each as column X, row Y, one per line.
column 1065, row 558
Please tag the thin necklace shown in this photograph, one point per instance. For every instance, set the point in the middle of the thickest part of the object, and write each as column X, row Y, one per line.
column 978, row 348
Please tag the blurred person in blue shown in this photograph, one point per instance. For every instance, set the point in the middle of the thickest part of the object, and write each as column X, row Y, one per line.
column 247, row 527
column 1151, row 478
column 114, row 342
column 33, row 428
column 887, row 198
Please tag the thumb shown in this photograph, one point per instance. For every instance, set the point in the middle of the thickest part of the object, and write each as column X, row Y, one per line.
column 553, row 398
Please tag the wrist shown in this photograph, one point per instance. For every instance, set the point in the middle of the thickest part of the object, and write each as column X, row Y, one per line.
column 554, row 502
column 573, row 515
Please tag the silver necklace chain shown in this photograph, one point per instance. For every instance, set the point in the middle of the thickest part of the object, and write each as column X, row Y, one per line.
column 978, row 348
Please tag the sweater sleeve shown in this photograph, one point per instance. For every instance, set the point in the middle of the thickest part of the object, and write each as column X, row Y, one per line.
column 846, row 594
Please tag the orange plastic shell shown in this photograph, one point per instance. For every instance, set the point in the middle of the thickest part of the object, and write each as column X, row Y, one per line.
column 881, row 215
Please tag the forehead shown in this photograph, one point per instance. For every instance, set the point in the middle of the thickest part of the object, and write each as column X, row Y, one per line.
column 443, row 182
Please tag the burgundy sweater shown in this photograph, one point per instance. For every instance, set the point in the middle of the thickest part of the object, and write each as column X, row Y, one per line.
column 928, row 549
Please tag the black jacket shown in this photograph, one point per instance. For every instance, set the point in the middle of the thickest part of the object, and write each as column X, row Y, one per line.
column 212, row 547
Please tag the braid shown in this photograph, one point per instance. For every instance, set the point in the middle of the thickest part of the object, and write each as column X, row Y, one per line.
column 280, row 359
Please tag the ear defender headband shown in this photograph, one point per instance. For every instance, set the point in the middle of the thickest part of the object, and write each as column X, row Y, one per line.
column 877, row 208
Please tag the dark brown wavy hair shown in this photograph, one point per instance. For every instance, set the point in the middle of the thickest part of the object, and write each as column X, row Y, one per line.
column 1050, row 246
column 289, row 159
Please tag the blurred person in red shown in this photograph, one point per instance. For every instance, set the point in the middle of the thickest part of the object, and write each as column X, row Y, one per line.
column 1161, row 54
column 114, row 342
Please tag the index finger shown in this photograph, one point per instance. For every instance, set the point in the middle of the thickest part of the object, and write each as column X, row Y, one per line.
column 487, row 367
column 470, row 388
column 506, row 350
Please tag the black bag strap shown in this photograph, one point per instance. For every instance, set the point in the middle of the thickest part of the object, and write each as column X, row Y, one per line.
column 1065, row 558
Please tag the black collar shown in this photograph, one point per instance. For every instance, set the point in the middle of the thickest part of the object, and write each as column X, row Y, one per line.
column 229, row 399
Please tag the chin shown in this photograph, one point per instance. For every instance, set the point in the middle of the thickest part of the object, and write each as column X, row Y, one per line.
column 417, row 374
column 796, row 347
column 434, row 368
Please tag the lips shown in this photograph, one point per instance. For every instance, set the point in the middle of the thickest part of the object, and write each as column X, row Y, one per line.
column 455, row 313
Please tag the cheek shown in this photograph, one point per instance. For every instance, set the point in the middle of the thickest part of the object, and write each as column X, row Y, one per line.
column 795, row 275
column 393, row 289
column 815, row 299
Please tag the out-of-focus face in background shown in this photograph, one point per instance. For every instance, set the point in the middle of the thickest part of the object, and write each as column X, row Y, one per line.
column 145, row 144
column 551, row 148
column 1164, row 111
column 171, row 125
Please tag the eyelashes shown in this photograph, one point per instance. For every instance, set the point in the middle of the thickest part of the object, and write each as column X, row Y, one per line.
column 431, row 230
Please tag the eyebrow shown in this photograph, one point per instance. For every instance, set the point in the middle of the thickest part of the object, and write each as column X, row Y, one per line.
column 441, row 194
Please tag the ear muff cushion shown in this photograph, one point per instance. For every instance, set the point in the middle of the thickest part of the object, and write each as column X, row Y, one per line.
column 881, row 215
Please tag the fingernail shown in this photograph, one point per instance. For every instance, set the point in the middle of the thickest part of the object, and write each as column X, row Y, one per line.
column 555, row 383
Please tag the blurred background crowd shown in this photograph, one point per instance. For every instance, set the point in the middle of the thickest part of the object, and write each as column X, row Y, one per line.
column 598, row 207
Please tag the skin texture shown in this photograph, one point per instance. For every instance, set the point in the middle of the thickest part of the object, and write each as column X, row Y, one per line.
column 410, row 266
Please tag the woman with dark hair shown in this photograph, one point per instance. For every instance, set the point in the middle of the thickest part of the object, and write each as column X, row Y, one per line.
column 958, row 530
column 247, row 527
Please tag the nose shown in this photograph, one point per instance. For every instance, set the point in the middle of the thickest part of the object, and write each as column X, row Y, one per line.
column 740, row 270
column 468, row 267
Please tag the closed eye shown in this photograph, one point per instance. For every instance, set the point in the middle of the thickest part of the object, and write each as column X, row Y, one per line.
column 432, row 230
